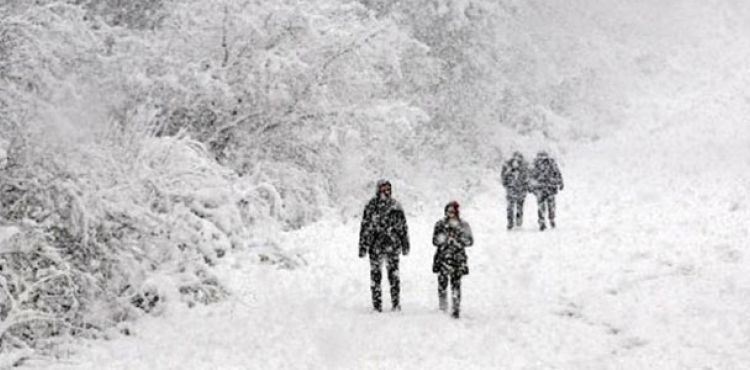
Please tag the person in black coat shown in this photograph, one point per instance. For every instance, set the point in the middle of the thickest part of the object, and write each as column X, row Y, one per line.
column 452, row 236
column 384, row 235
column 545, row 181
column 515, row 177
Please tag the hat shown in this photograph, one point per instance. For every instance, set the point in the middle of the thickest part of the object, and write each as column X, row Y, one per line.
column 381, row 183
column 452, row 204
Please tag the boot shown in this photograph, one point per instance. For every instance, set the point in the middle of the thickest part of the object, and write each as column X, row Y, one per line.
column 456, row 298
column 443, row 303
column 395, row 303
column 377, row 301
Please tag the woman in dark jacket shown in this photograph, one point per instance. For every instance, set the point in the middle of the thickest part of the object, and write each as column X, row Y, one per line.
column 451, row 237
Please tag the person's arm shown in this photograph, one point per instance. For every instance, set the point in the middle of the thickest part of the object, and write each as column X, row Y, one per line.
column 403, row 233
column 365, row 232
column 525, row 178
column 559, row 178
column 438, row 236
column 466, row 237
column 533, row 181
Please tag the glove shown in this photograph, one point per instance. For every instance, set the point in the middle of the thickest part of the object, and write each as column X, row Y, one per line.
column 561, row 187
column 452, row 233
column 362, row 253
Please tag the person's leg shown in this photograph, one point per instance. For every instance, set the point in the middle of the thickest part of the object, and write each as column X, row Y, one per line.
column 519, row 211
column 509, row 211
column 551, row 205
column 376, row 275
column 394, row 280
column 541, row 209
column 442, row 291
column 456, row 294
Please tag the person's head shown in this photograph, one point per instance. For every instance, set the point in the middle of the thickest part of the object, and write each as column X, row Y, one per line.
column 384, row 189
column 542, row 158
column 516, row 160
column 452, row 210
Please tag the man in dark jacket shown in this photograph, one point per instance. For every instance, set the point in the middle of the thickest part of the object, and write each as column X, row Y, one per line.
column 545, row 182
column 515, row 176
column 384, row 235
column 452, row 236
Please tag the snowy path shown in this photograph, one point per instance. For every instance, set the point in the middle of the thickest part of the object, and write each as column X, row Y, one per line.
column 647, row 270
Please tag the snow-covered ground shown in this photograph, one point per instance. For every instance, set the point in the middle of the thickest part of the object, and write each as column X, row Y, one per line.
column 648, row 269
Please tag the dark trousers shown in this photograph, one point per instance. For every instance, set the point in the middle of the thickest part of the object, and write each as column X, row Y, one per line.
column 444, row 277
column 546, row 205
column 515, row 211
column 376, row 275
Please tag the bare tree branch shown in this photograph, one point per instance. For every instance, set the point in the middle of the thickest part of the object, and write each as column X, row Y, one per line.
column 224, row 31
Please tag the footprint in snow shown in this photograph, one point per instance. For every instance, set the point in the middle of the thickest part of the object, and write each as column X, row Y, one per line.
column 727, row 254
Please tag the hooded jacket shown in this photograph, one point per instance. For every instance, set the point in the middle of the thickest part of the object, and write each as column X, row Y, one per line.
column 545, row 176
column 451, row 237
column 383, row 228
column 516, row 178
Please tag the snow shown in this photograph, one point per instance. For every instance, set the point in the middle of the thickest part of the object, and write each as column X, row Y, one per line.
column 7, row 232
column 647, row 269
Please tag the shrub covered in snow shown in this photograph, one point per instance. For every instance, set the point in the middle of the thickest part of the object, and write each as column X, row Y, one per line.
column 129, row 171
column 105, row 231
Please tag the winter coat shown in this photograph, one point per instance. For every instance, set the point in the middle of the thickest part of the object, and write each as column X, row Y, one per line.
column 383, row 228
column 451, row 242
column 545, row 176
column 515, row 179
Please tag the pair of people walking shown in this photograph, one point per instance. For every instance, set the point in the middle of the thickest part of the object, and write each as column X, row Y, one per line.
column 384, row 236
column 543, row 179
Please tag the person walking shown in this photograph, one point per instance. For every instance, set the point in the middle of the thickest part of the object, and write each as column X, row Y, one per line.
column 384, row 236
column 546, row 180
column 451, row 236
column 515, row 178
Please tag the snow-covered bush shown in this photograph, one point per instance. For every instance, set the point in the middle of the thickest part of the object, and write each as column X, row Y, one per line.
column 114, row 226
column 108, row 219
column 134, row 160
